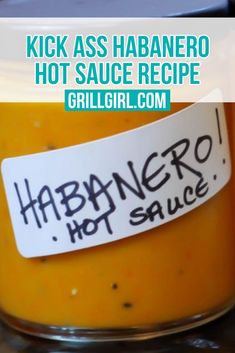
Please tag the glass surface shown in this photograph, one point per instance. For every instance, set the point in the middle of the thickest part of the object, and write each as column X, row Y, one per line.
column 105, row 8
column 214, row 337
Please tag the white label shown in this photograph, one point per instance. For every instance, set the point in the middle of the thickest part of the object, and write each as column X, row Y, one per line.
column 113, row 188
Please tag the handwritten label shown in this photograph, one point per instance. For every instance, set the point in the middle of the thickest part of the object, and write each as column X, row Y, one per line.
column 116, row 187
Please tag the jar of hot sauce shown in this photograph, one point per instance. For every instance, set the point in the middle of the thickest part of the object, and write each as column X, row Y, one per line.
column 167, row 279
column 173, row 277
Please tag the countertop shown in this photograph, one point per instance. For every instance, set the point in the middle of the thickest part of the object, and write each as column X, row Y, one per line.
column 217, row 337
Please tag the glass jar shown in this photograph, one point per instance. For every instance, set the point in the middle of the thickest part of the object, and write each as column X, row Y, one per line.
column 127, row 8
column 170, row 278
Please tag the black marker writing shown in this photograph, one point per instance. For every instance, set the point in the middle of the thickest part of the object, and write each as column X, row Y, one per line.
column 177, row 158
column 171, row 206
column 86, row 206
column 67, row 198
column 29, row 206
column 218, row 125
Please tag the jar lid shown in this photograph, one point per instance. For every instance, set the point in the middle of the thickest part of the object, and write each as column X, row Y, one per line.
column 114, row 8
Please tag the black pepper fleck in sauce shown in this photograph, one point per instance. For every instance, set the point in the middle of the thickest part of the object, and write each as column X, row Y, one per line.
column 127, row 305
column 114, row 286
column 43, row 259
column 50, row 147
